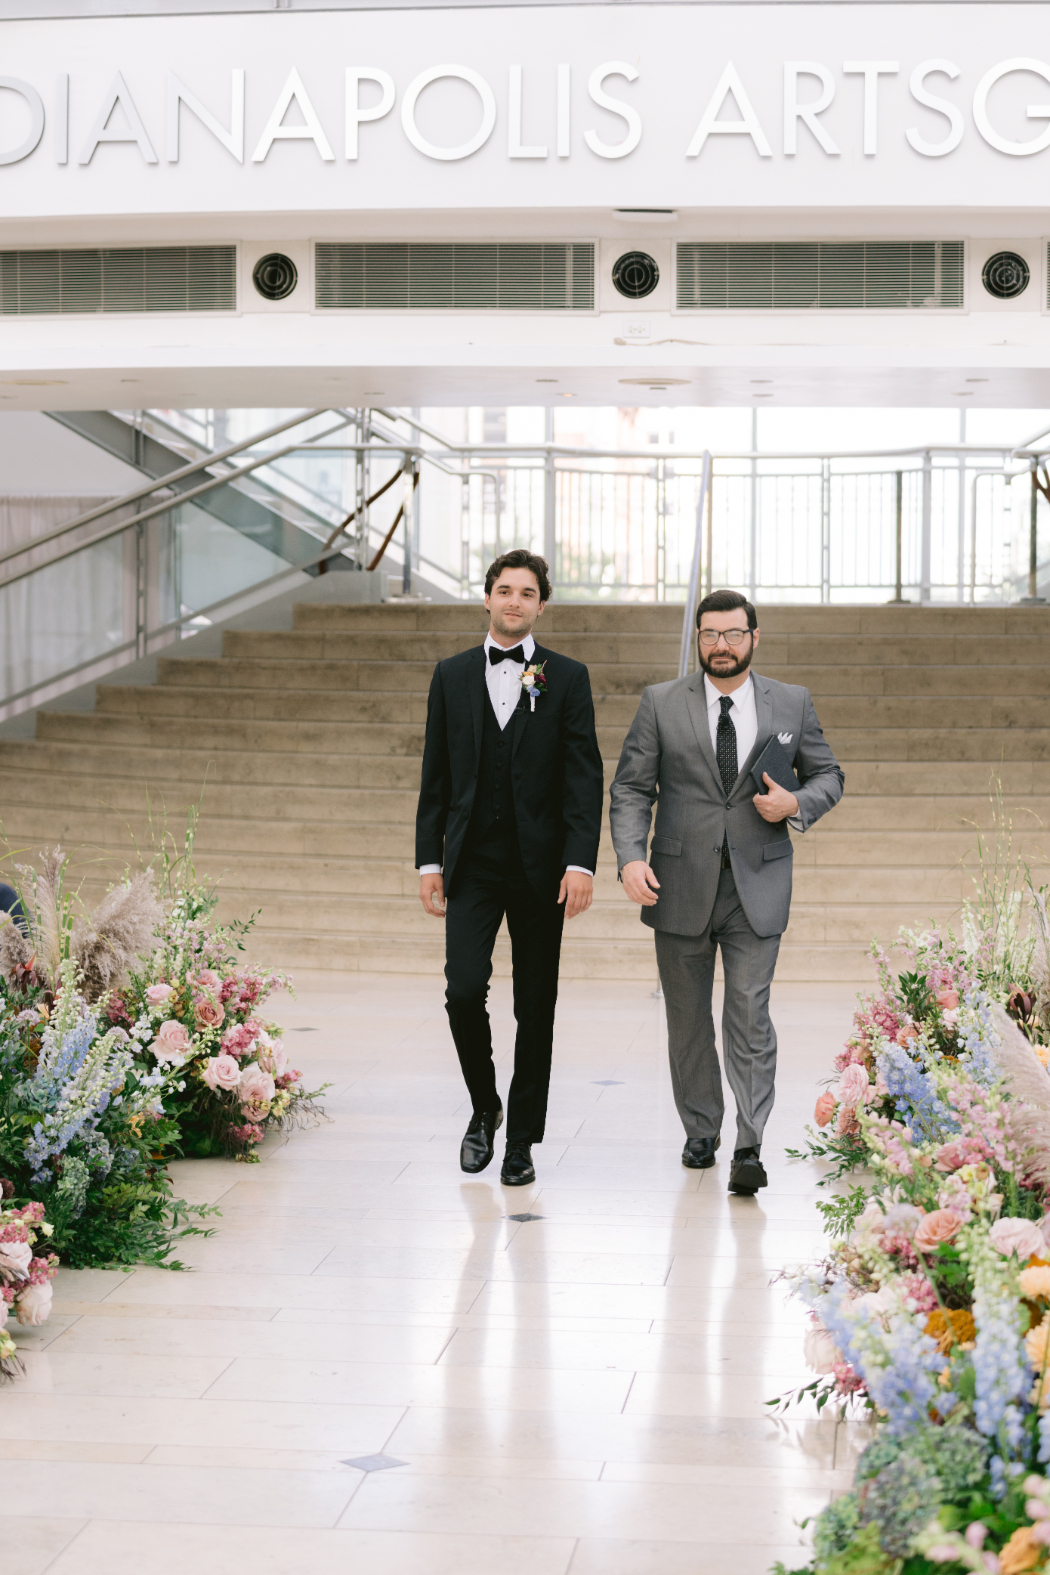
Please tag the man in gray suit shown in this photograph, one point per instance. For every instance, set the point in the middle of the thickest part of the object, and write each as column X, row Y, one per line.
column 719, row 871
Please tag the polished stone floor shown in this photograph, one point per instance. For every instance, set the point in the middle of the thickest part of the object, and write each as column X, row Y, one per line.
column 375, row 1367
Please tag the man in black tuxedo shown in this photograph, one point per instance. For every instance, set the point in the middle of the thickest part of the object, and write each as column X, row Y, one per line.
column 509, row 819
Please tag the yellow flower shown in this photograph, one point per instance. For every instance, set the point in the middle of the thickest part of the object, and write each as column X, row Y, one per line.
column 951, row 1328
column 1022, row 1552
column 1035, row 1282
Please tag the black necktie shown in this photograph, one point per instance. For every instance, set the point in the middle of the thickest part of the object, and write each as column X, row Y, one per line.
column 515, row 654
column 727, row 763
column 727, row 766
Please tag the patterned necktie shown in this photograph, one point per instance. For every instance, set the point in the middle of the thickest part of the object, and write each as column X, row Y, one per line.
column 727, row 762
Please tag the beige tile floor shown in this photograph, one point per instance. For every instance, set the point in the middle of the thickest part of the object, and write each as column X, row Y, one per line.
column 579, row 1394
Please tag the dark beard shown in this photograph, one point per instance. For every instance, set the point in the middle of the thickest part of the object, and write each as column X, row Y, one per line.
column 742, row 664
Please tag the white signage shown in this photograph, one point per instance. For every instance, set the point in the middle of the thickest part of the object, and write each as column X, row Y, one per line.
column 677, row 106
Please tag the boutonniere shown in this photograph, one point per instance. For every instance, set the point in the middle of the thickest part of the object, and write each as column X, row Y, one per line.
column 534, row 683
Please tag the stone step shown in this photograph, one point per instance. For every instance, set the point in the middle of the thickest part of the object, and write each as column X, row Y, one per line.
column 882, row 621
column 825, row 681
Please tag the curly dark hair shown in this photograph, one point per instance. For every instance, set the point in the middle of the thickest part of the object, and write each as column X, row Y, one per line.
column 520, row 558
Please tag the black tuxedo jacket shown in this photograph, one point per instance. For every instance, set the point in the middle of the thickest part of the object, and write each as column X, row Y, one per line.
column 556, row 768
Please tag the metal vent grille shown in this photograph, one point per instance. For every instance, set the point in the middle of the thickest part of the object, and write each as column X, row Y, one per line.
column 474, row 277
column 125, row 279
column 850, row 275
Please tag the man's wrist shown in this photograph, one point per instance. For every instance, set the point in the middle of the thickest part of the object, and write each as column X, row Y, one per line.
column 579, row 870
column 430, row 869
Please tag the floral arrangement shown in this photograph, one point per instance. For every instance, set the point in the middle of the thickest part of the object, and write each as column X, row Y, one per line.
column 25, row 1276
column 931, row 1311
column 196, row 1013
column 81, row 1125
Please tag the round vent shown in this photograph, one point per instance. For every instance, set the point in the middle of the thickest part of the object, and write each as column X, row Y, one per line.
column 635, row 275
column 1005, row 275
column 275, row 276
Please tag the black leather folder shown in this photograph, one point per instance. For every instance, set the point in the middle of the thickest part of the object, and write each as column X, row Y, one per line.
column 773, row 761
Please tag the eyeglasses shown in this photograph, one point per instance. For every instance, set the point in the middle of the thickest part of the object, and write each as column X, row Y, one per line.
column 730, row 636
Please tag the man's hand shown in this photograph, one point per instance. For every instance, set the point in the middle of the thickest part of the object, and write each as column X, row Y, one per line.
column 576, row 892
column 640, row 883
column 432, row 895
column 776, row 805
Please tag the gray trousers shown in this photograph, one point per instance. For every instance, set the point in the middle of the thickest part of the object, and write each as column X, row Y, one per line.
column 749, row 1042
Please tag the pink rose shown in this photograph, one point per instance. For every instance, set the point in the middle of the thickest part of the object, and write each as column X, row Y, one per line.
column 942, row 1225
column 206, row 979
column 1017, row 1236
column 209, row 1014
column 908, row 1032
column 257, row 1087
column 853, row 1086
column 255, row 1113
column 238, row 1039
column 33, row 1305
column 157, row 994
column 15, row 1257
column 221, row 1072
column 172, row 1042
column 951, row 1156
column 847, row 1122
column 819, row 1350
column 948, row 1000
column 825, row 1109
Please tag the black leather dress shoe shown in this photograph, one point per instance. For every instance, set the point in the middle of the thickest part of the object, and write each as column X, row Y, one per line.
column 747, row 1173
column 476, row 1150
column 699, row 1153
column 517, row 1165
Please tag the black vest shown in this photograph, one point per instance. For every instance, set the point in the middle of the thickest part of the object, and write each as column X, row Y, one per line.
column 493, row 814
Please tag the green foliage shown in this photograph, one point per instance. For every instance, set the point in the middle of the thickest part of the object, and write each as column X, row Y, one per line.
column 836, row 1528
column 842, row 1154
column 898, row 1502
column 841, row 1212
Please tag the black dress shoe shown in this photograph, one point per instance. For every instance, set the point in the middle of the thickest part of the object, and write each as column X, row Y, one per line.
column 517, row 1165
column 747, row 1173
column 476, row 1150
column 699, row 1153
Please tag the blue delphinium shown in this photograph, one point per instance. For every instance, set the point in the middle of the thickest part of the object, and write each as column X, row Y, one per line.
column 900, row 1365
column 918, row 1103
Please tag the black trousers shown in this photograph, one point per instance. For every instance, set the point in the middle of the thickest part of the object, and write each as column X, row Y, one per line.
column 491, row 883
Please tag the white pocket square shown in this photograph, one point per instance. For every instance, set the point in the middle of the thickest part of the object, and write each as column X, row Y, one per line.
column 785, row 738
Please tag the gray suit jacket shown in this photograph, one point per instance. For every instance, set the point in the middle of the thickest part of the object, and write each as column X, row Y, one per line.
column 668, row 759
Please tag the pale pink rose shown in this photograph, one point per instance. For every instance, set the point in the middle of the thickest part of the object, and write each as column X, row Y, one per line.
column 819, row 1350
column 257, row 1087
column 906, row 1033
column 15, row 1256
column 207, row 979
column 273, row 1057
column 825, row 1109
column 933, row 1229
column 209, row 1014
column 172, row 1042
column 1017, row 1236
column 950, row 1156
column 948, row 1000
column 853, row 1085
column 33, row 1305
column 255, row 1113
column 157, row 994
column 221, row 1072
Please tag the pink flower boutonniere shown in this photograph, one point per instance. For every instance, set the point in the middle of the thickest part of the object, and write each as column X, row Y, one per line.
column 534, row 683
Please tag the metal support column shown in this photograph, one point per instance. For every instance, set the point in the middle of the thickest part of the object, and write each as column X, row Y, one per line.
column 362, row 470
column 407, row 504
column 961, row 588
column 1033, row 543
column 825, row 530
column 550, row 501
column 752, row 552
column 927, row 527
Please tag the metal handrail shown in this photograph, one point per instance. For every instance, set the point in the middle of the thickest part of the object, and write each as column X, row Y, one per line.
column 694, row 570
column 164, row 481
column 163, row 507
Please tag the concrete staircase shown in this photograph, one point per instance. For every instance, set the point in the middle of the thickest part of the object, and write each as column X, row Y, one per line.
column 308, row 742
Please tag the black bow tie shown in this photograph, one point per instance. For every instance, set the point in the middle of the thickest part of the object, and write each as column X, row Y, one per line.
column 498, row 654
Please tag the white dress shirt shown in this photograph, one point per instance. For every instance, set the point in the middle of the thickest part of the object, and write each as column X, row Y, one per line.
column 744, row 718
column 503, row 681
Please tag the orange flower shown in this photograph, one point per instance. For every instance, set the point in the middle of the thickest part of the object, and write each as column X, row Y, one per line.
column 1022, row 1552
column 951, row 1328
